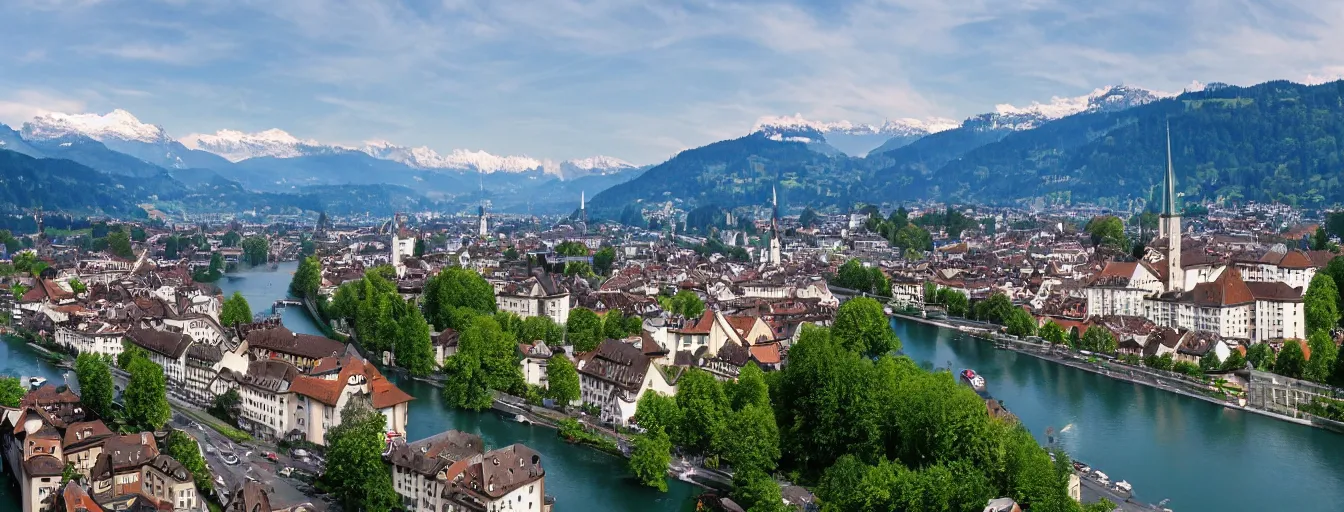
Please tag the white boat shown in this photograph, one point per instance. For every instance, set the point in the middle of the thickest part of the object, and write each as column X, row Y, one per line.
column 1101, row 477
column 1125, row 487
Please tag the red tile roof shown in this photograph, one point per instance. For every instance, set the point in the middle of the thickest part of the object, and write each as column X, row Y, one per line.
column 766, row 354
column 1227, row 290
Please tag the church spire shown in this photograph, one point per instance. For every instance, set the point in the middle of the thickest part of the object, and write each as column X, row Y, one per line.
column 1169, row 186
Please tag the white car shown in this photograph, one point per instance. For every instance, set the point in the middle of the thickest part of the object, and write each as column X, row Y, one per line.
column 229, row 458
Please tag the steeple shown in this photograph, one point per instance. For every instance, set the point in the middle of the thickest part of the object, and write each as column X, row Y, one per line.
column 773, row 257
column 1169, row 186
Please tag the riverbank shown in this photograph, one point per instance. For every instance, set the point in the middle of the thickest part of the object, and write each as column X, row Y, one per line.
column 1158, row 381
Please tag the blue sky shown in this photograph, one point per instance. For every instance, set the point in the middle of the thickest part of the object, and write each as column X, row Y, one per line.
column 631, row 79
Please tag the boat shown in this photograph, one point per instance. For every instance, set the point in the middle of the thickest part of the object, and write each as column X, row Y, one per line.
column 521, row 419
column 973, row 379
column 1124, row 487
column 1101, row 477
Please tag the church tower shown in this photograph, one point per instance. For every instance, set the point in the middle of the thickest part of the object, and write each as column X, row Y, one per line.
column 1170, row 225
column 484, row 228
column 774, row 228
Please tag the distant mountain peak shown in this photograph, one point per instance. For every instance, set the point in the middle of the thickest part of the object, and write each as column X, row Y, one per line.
column 771, row 125
column 600, row 163
column 117, row 124
column 1102, row 99
column 236, row 145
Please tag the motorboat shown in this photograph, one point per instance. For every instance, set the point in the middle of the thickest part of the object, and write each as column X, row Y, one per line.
column 973, row 379
column 1101, row 477
column 1124, row 487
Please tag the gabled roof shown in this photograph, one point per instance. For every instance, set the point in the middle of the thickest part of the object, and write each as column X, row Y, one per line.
column 166, row 343
column 1227, row 290
column 77, row 500
column 280, row 339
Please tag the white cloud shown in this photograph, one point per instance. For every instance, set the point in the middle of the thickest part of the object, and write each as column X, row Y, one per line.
column 22, row 105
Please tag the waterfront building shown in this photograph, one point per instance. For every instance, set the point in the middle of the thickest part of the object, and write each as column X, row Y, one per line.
column 422, row 471
column 614, row 376
column 537, row 295
column 270, row 339
column 165, row 348
column 452, row 472
column 1121, row 287
column 534, row 358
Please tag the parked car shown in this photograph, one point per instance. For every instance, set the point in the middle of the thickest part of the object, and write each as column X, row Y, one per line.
column 271, row 456
column 229, row 458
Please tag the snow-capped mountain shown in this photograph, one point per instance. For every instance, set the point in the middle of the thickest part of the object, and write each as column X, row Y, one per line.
column 855, row 139
column 119, row 131
column 237, row 146
column 423, row 157
column 1104, row 99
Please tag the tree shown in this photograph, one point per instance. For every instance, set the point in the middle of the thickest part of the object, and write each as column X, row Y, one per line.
column 687, row 304
column 95, row 383
column 1260, row 356
column 454, row 289
column 649, row 458
column 172, row 246
column 138, row 234
column 11, row 391
column 578, row 268
column 809, row 218
column 1099, row 339
column 854, row 276
column 1021, row 324
column 355, row 473
column 485, row 361
column 1323, row 354
column 955, row 301
column 225, row 406
column 1235, row 361
column 571, row 248
column 755, row 491
column 750, row 388
column 1320, row 304
column 750, row 439
column 995, row 309
column 414, row 349
column 1320, row 240
column 584, row 330
column 146, row 396
column 603, row 260
column 119, row 243
column 256, row 250
column 879, row 284
column 613, row 325
column 231, row 239
column 1210, row 362
column 704, row 407
column 78, row 286
column 129, row 353
column 1290, row 362
column 656, row 411
column 1108, row 234
column 235, row 311
column 562, row 380
column 307, row 278
column 861, row 326
column 541, row 328
column 185, row 450
column 1052, row 332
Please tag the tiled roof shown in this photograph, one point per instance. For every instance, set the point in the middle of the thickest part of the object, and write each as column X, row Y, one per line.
column 77, row 500
column 167, row 343
column 766, row 354
column 1275, row 291
column 1227, row 290
column 281, row 339
column 617, row 362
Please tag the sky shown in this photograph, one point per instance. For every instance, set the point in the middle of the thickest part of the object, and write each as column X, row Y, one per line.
column 637, row 80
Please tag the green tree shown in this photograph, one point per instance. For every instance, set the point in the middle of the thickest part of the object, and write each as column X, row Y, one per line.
column 146, row 396
column 486, row 360
column 235, row 310
column 571, row 249
column 578, row 268
column 541, row 328
column 1323, row 355
column 1020, row 323
column 584, row 330
column 138, row 234
column 861, row 326
column 11, row 391
column 1210, row 362
column 1320, row 240
column 466, row 385
column 456, row 289
column 1235, row 361
column 184, row 449
column 1335, row 269
column 603, row 260
column 1337, row 373
column 1261, row 356
column 879, row 284
column 613, row 325
column 256, row 250
column 78, row 286
column 231, row 239
column 1099, row 339
column 355, row 472
column 414, row 349
column 1290, row 362
column 704, row 407
column 1321, row 304
column 649, row 458
column 656, row 411
column 755, row 491
column 95, row 383
column 749, row 439
column 1108, row 234
column 955, row 302
column 1052, row 332
column 119, row 243
column 226, row 406
column 129, row 353
column 687, row 304
column 750, row 388
column 854, row 276
column 171, row 247
column 996, row 308
column 562, row 380
column 307, row 279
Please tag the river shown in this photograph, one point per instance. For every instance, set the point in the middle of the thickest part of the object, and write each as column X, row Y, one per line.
column 1201, row 456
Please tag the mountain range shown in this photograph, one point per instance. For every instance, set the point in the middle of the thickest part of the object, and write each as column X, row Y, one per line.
column 1277, row 141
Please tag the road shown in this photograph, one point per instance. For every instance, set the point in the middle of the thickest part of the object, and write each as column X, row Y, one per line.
column 251, row 465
